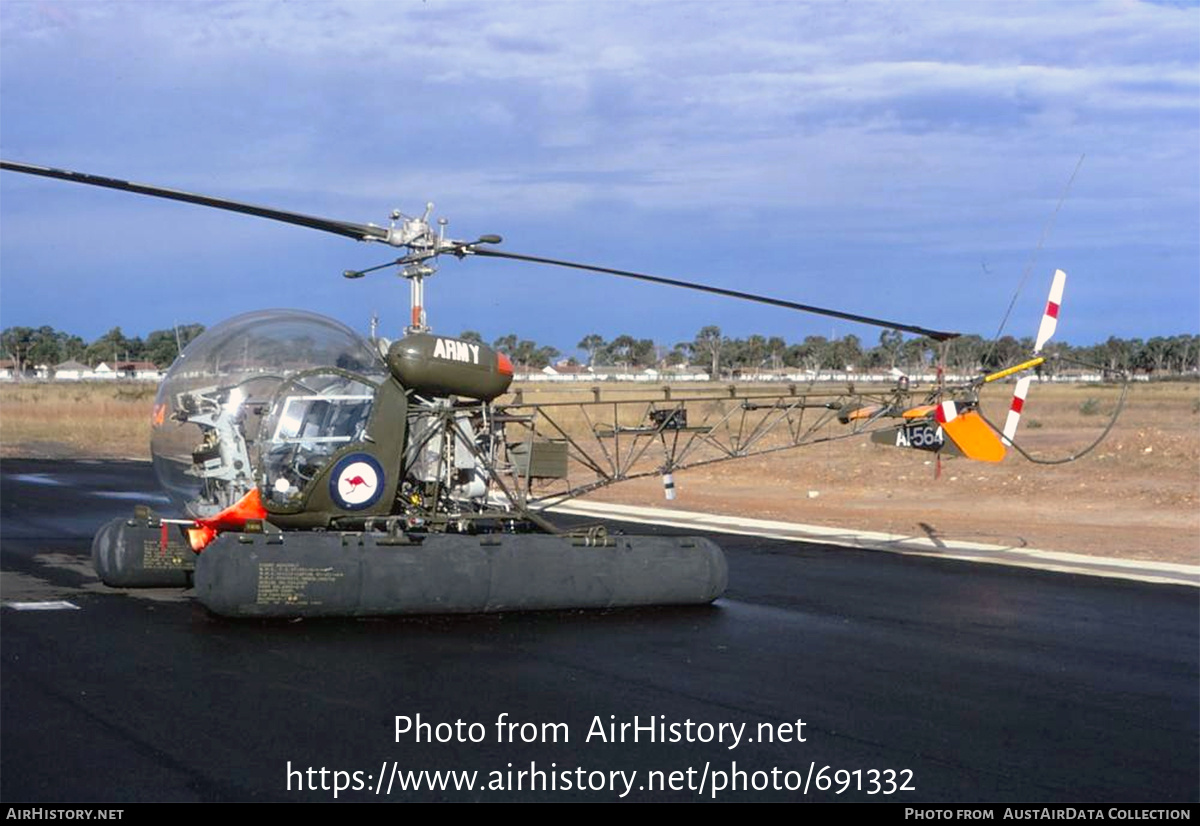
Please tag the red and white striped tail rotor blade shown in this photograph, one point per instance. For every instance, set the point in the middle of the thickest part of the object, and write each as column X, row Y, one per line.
column 1014, row 410
column 1050, row 317
column 1045, row 331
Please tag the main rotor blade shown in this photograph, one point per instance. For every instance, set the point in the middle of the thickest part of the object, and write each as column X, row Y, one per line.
column 360, row 232
column 936, row 335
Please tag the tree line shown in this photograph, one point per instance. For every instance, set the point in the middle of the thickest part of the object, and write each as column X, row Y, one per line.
column 721, row 355
column 710, row 351
column 28, row 347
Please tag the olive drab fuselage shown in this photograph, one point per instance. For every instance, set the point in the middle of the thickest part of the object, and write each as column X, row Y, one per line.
column 360, row 475
column 332, row 491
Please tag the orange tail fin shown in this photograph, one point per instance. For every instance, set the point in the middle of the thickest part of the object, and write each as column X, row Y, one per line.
column 970, row 433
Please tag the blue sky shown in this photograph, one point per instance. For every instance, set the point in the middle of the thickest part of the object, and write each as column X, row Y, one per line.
column 893, row 159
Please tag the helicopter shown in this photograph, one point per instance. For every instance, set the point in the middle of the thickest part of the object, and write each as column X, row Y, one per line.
column 323, row 474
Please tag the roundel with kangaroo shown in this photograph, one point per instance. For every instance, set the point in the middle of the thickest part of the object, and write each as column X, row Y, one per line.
column 356, row 481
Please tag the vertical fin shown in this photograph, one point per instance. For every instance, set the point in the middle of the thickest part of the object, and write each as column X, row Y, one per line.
column 970, row 433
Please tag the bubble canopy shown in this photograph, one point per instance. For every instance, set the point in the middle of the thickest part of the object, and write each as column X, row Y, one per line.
column 211, row 402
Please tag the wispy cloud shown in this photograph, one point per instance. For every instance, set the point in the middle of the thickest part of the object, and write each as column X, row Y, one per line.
column 683, row 132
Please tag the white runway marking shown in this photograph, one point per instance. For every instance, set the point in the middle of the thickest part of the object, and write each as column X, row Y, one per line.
column 53, row 605
column 37, row 479
column 939, row 547
column 131, row 495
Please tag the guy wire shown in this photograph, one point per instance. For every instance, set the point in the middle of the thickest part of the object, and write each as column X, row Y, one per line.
column 1033, row 256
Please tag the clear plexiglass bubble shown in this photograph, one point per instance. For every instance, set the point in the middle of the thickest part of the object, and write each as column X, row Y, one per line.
column 210, row 405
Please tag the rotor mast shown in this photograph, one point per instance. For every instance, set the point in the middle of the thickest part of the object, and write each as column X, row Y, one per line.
column 417, row 323
column 419, row 263
column 424, row 245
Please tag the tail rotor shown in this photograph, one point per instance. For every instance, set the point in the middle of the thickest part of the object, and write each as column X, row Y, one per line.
column 1045, row 331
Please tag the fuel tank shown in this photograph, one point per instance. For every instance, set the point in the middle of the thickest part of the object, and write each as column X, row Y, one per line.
column 313, row 574
column 142, row 552
column 441, row 366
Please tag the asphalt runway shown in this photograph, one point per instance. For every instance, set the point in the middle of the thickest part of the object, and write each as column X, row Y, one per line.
column 915, row 679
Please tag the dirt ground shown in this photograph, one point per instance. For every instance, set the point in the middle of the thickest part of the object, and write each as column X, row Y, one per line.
column 1137, row 495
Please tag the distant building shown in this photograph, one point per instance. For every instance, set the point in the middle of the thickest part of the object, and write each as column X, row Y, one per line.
column 8, row 371
column 72, row 370
column 128, row 370
column 566, row 368
column 563, row 372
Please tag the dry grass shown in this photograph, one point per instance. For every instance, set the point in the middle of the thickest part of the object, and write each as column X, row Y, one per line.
column 85, row 419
